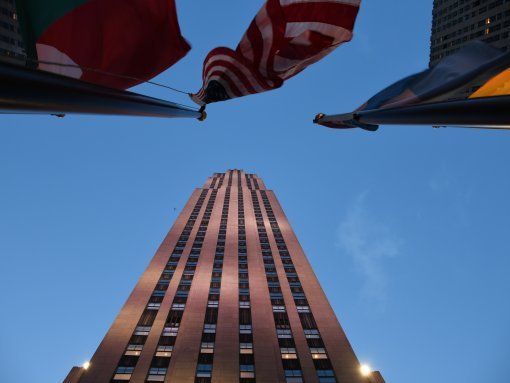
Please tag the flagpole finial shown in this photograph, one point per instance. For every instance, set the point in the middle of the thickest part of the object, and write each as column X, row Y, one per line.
column 203, row 114
column 318, row 117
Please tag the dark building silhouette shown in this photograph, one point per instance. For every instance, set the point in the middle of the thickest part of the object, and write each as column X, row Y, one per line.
column 11, row 43
column 228, row 297
column 456, row 22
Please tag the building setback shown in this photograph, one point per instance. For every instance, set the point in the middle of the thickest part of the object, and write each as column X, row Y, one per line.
column 456, row 22
column 228, row 297
column 11, row 43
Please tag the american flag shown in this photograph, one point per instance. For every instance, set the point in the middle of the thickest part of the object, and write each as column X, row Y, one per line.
column 284, row 38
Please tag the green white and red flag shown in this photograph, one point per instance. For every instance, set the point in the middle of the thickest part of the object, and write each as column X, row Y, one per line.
column 115, row 43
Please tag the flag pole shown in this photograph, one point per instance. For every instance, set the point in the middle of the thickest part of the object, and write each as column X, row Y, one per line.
column 487, row 112
column 25, row 90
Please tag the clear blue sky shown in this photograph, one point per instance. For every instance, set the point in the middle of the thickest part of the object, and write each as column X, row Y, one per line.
column 407, row 228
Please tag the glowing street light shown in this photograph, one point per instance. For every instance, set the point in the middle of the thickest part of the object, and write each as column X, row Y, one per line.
column 365, row 370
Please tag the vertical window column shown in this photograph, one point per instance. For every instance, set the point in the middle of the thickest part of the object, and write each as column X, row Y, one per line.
column 246, row 357
column 289, row 357
column 137, row 341
column 221, row 179
column 161, row 359
column 206, row 356
column 318, row 352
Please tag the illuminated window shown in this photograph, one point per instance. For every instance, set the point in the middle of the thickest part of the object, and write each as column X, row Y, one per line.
column 318, row 353
column 178, row 306
column 123, row 373
column 288, row 353
column 312, row 334
column 164, row 351
column 142, row 330
column 156, row 374
column 170, row 331
column 284, row 333
column 247, row 371
column 134, row 349
column 207, row 347
column 246, row 348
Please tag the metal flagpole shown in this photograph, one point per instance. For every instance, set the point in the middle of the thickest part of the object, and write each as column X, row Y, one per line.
column 487, row 112
column 24, row 90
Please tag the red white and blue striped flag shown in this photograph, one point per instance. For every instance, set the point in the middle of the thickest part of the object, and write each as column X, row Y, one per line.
column 285, row 37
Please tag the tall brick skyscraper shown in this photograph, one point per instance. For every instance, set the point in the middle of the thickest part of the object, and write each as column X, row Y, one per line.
column 228, row 297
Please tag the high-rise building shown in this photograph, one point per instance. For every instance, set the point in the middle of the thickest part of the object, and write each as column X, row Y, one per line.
column 228, row 297
column 11, row 43
column 456, row 22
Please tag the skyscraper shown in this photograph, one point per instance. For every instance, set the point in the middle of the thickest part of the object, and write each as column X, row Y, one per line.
column 11, row 44
column 456, row 22
column 228, row 297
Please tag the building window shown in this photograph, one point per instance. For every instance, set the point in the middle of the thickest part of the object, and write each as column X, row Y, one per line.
column 278, row 309
column 178, row 306
column 153, row 306
column 134, row 349
column 207, row 347
column 213, row 304
column 170, row 331
column 125, row 370
column 293, row 376
column 210, row 328
column 164, row 351
column 246, row 348
column 244, row 304
column 247, row 371
column 245, row 329
column 326, row 376
column 204, row 370
column 312, row 334
column 142, row 330
column 284, row 333
column 318, row 353
column 288, row 353
column 123, row 373
column 156, row 374
column 303, row 309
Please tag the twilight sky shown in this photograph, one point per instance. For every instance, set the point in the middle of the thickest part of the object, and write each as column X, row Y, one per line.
column 407, row 228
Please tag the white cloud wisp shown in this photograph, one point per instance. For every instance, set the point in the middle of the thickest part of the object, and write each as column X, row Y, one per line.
column 368, row 243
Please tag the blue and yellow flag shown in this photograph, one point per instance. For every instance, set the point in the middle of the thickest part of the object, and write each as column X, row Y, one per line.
column 476, row 71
